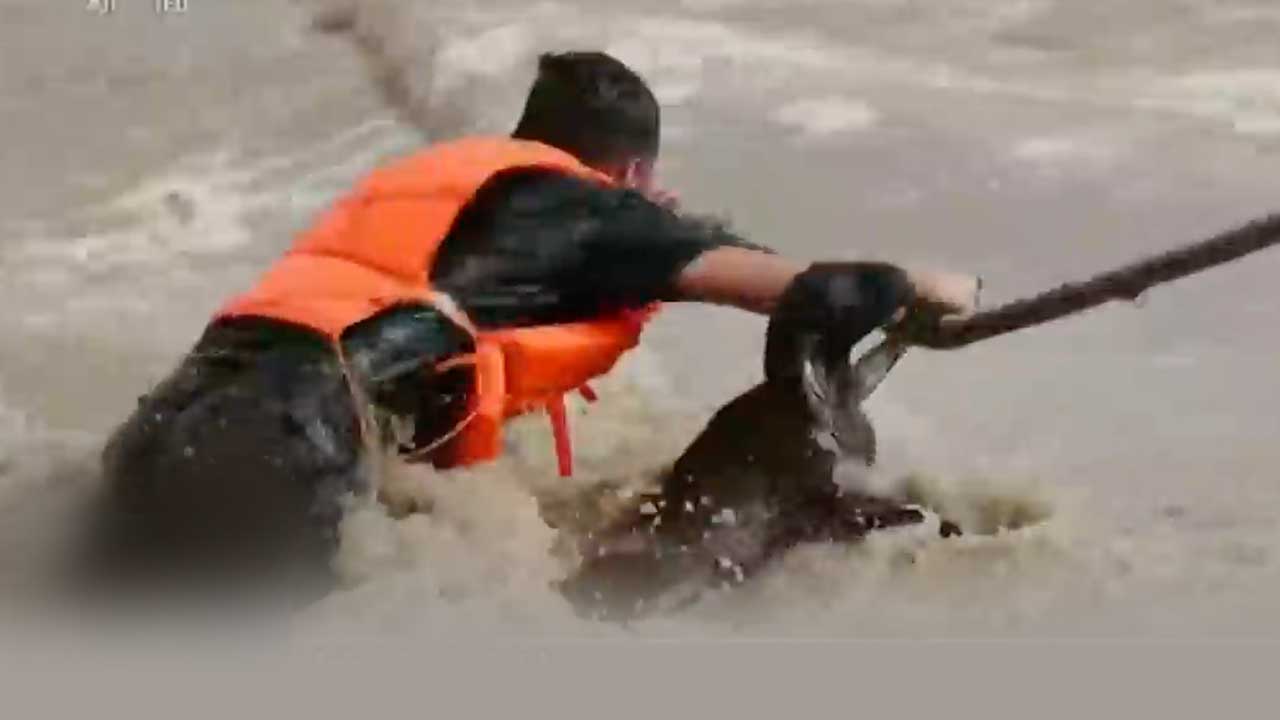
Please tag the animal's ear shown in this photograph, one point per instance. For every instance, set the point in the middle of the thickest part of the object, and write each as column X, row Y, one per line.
column 797, row 361
column 815, row 380
column 855, row 435
column 834, row 394
column 870, row 370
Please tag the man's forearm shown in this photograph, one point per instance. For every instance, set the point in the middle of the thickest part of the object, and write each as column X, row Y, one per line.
column 754, row 281
column 748, row 279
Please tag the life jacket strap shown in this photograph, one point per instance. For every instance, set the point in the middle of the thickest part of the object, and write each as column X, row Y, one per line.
column 560, row 429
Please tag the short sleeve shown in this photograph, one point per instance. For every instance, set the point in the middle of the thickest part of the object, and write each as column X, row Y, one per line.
column 535, row 247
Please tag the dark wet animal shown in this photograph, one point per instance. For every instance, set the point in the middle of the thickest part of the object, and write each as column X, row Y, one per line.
column 760, row 478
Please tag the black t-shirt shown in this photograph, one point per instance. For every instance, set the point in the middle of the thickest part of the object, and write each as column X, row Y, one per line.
column 539, row 247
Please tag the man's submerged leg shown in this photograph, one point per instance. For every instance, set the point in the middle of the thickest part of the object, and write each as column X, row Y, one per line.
column 231, row 474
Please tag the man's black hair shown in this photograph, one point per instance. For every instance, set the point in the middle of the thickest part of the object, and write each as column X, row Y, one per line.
column 592, row 106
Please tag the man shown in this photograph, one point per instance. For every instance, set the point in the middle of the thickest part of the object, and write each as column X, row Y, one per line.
column 475, row 280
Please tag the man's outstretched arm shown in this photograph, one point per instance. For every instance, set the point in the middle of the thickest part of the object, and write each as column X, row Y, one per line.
column 548, row 248
column 754, row 281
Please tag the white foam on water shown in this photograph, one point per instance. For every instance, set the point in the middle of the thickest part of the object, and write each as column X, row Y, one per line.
column 191, row 208
column 824, row 116
column 710, row 6
column 677, row 54
column 1247, row 99
column 1055, row 152
column 485, row 54
column 167, row 233
column 482, row 561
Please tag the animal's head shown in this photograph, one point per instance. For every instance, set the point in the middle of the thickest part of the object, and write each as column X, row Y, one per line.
column 825, row 311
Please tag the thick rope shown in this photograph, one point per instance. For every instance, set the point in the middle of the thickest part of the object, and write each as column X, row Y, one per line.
column 1128, row 282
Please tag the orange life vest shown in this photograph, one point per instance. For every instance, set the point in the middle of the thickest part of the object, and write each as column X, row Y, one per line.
column 374, row 249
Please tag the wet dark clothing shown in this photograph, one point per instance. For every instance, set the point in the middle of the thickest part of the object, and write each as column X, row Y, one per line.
column 247, row 450
column 237, row 462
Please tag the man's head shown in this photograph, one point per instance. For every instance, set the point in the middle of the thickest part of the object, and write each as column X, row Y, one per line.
column 597, row 109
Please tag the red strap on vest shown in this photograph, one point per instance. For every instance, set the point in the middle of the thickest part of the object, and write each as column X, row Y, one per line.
column 560, row 429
